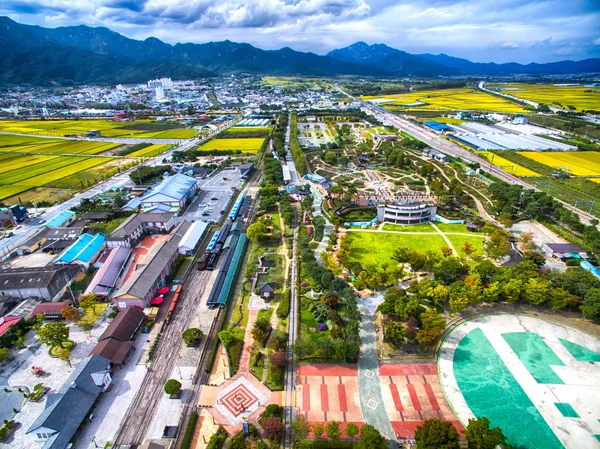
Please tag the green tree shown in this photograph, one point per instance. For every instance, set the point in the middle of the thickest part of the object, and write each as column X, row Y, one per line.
column 433, row 325
column 561, row 299
column 446, row 251
column 480, row 436
column 300, row 428
column 371, row 438
column 351, row 431
column 497, row 245
column 172, row 386
column 590, row 306
column 435, row 434
column 3, row 354
column 226, row 338
column 450, row 270
column 190, row 335
column 438, row 294
column 88, row 302
column 54, row 334
column 318, row 430
column 512, row 290
column 536, row 291
column 333, row 430
column 402, row 254
column 492, row 291
column 256, row 232
column 64, row 355
column 395, row 333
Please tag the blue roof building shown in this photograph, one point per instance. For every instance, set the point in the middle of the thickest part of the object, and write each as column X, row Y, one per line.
column 436, row 126
column 62, row 219
column 84, row 250
column 170, row 195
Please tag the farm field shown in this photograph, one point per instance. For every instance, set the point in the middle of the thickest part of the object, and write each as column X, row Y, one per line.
column 580, row 163
column 247, row 129
column 448, row 99
column 447, row 120
column 583, row 98
column 374, row 248
column 59, row 128
column 507, row 165
column 250, row 145
column 26, row 144
column 151, row 151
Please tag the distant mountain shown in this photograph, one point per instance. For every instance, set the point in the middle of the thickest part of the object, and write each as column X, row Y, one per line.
column 512, row 68
column 397, row 62
column 84, row 55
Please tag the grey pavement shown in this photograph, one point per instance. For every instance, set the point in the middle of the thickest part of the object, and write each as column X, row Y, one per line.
column 317, row 212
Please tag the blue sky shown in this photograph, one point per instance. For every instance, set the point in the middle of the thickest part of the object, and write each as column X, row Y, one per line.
column 480, row 30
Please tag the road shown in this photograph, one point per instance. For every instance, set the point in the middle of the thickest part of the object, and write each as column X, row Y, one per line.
column 27, row 230
column 452, row 149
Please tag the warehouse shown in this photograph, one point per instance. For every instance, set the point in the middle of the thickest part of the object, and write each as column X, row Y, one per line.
column 47, row 283
column 170, row 195
column 84, row 251
column 192, row 237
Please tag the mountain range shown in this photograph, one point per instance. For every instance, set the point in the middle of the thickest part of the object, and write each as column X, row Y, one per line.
column 33, row 55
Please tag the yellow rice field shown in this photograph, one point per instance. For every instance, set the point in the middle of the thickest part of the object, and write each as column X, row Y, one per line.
column 508, row 166
column 449, row 99
column 580, row 163
column 582, row 97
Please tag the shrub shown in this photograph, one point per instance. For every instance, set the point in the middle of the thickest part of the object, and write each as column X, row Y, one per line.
column 191, row 335
column 279, row 359
column 283, row 309
column 273, row 427
column 172, row 387
column 189, row 431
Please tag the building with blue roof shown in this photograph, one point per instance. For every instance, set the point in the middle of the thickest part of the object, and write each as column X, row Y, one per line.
column 436, row 126
column 65, row 218
column 84, row 251
column 170, row 195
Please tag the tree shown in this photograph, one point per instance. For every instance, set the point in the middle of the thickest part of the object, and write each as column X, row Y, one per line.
column 446, row 251
column 468, row 249
column 512, row 290
column 192, row 334
column 64, row 355
column 330, row 299
column 70, row 313
column 226, row 338
column 300, row 428
column 54, row 334
column 273, row 428
column 536, row 291
column 371, row 438
column 395, row 333
column 3, row 354
column 497, row 245
column 480, row 436
column 450, row 270
column 438, row 294
column 402, row 254
column 318, row 430
column 591, row 304
column 526, row 242
column 256, row 231
column 560, row 298
column 333, row 430
column 433, row 325
column 88, row 302
column 172, row 386
column 435, row 434
column 351, row 431
column 279, row 359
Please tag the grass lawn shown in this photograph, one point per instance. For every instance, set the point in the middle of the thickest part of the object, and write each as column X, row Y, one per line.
column 373, row 248
column 459, row 240
column 249, row 145
column 91, row 316
column 452, row 227
column 107, row 227
column 425, row 227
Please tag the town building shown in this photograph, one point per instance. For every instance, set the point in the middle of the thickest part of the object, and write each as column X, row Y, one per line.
column 47, row 283
column 136, row 226
column 434, row 154
column 84, row 251
column 564, row 251
column 116, row 342
column 192, row 237
column 170, row 195
column 67, row 409
column 105, row 280
column 406, row 213
column 50, row 310
column 65, row 218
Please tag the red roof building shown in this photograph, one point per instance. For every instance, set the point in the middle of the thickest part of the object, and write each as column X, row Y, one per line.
column 6, row 322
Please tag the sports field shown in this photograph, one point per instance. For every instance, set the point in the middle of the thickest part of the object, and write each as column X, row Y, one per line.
column 250, row 145
column 107, row 128
column 374, row 248
column 583, row 98
column 448, row 99
column 506, row 165
column 580, row 163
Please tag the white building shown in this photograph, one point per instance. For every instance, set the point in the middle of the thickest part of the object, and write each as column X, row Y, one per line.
column 406, row 213
column 159, row 93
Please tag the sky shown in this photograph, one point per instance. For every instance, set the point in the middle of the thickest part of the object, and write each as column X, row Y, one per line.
column 480, row 30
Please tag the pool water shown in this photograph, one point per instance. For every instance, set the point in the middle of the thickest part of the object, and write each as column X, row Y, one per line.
column 490, row 390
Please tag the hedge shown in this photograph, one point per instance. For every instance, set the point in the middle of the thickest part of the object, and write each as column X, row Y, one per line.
column 324, row 444
column 217, row 440
column 283, row 309
column 189, row 431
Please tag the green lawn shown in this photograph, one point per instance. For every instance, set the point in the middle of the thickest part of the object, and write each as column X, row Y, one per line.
column 373, row 248
column 459, row 240
column 91, row 316
column 452, row 227
column 426, row 227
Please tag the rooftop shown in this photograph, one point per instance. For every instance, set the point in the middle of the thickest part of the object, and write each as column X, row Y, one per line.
column 124, row 326
column 136, row 220
column 174, row 187
column 60, row 219
column 36, row 277
column 83, row 249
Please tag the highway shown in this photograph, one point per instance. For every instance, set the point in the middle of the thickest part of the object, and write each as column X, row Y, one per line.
column 27, row 230
column 447, row 147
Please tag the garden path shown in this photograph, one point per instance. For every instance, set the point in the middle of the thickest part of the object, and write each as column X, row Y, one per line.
column 446, row 239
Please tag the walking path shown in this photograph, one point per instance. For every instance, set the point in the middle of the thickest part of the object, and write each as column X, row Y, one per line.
column 317, row 212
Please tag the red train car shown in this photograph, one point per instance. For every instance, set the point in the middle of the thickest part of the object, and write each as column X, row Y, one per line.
column 173, row 305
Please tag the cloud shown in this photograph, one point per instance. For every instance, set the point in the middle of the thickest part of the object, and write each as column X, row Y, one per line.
column 529, row 30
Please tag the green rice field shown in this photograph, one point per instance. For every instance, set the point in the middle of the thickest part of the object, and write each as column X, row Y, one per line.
column 250, row 145
column 151, row 151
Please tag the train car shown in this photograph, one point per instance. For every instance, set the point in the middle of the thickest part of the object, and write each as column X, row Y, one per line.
column 212, row 261
column 203, row 262
column 173, row 305
column 213, row 241
column 236, row 207
column 222, row 237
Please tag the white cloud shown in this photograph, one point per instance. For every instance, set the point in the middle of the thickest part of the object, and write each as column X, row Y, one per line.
column 510, row 45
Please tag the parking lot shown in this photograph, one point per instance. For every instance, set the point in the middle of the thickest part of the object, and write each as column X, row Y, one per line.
column 215, row 195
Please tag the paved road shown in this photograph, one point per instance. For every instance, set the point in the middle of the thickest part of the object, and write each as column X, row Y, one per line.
column 451, row 149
